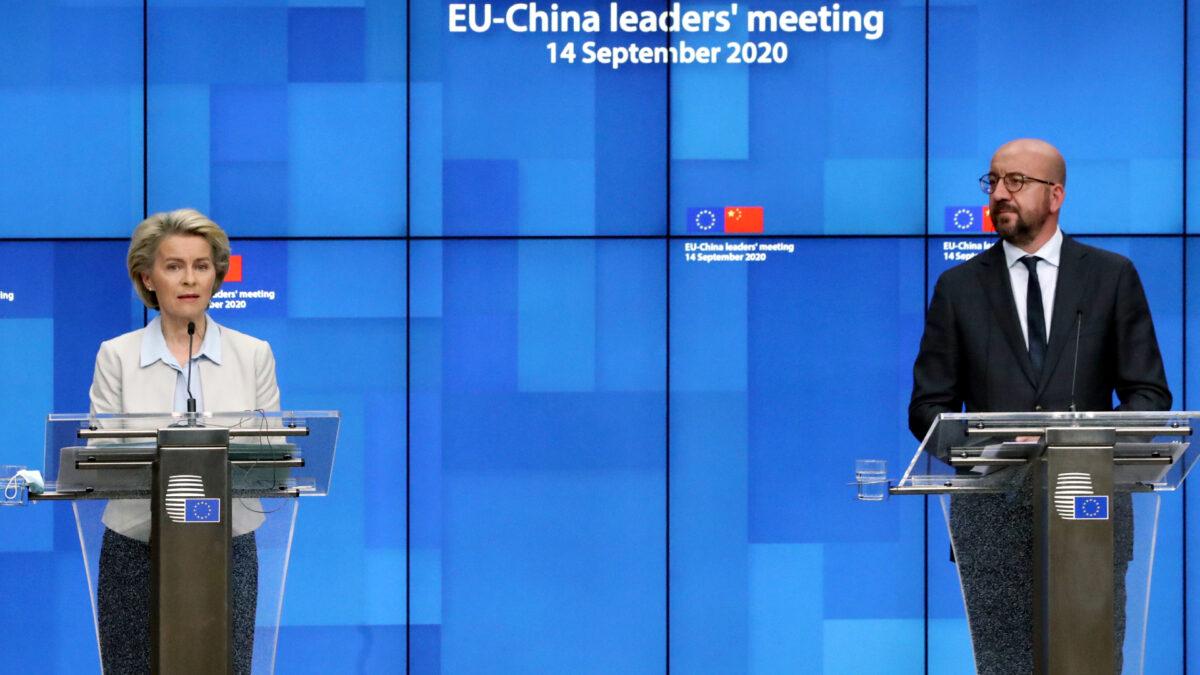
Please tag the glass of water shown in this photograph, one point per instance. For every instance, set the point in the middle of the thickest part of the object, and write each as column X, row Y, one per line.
column 871, row 477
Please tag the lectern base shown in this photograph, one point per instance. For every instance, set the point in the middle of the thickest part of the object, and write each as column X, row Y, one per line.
column 995, row 581
column 271, row 543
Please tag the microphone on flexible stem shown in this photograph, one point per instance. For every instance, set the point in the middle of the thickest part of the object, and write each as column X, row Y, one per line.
column 1075, row 367
column 191, row 401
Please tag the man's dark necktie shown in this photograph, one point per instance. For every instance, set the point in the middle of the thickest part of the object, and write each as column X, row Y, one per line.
column 1035, row 315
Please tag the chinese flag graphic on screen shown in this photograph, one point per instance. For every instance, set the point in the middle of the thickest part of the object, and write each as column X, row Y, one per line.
column 235, row 269
column 987, row 220
column 744, row 219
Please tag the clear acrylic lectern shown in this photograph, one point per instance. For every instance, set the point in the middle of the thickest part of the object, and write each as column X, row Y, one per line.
column 1088, row 478
column 196, row 476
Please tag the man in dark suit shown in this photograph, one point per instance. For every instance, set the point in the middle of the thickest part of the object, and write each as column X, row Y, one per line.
column 1038, row 322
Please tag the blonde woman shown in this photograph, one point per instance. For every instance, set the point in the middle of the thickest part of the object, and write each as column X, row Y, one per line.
column 176, row 261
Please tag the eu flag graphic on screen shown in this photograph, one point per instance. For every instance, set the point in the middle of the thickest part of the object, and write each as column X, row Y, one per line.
column 706, row 220
column 1091, row 507
column 202, row 510
column 725, row 220
column 969, row 220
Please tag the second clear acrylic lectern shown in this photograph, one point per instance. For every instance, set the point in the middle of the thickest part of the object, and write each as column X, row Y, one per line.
column 1090, row 484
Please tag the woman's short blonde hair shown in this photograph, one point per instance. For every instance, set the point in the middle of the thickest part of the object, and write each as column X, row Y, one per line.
column 143, row 246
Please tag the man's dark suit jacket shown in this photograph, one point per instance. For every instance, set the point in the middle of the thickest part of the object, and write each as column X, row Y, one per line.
column 973, row 351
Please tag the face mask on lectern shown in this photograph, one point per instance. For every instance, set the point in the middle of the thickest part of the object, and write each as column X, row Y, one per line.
column 25, row 478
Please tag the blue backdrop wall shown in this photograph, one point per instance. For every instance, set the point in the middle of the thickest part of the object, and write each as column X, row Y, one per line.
column 566, row 446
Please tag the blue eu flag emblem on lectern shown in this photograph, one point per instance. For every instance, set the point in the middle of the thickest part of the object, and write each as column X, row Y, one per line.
column 1091, row 507
column 202, row 511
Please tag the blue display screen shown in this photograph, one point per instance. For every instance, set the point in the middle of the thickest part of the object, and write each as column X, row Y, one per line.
column 584, row 429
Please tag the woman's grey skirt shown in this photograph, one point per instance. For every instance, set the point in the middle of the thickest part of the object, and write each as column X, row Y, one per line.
column 123, row 603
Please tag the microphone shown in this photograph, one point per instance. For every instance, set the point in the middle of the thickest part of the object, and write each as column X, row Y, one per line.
column 191, row 401
column 1075, row 367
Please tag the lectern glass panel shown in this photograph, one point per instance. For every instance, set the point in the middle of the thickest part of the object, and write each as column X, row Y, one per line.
column 315, row 449
column 973, row 451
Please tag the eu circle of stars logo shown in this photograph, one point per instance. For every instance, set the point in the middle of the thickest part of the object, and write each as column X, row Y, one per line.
column 970, row 222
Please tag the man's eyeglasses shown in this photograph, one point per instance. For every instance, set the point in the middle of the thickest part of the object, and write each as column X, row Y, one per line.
column 1012, row 182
